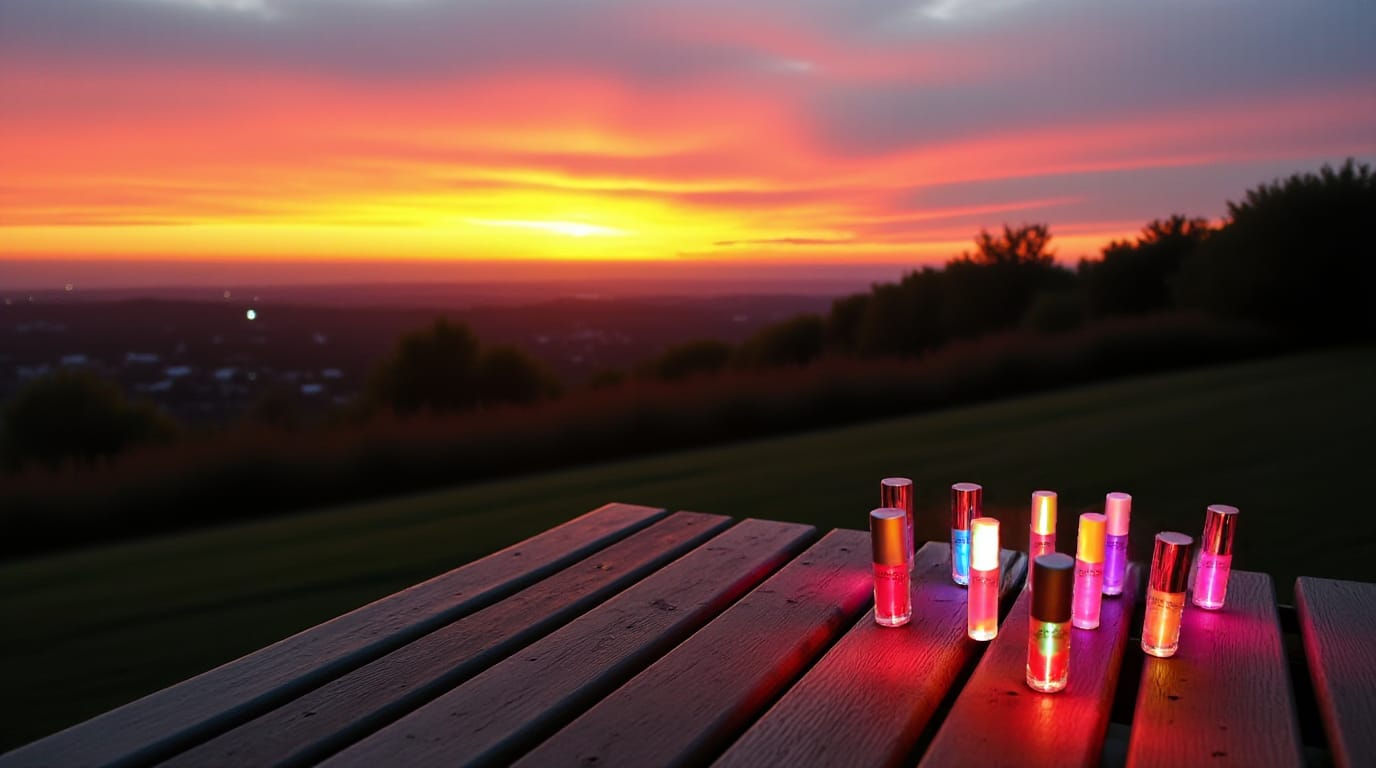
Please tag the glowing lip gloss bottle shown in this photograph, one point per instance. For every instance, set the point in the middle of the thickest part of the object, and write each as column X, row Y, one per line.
column 982, row 601
column 893, row 604
column 897, row 493
column 1170, row 569
column 1118, row 510
column 967, row 503
column 1048, row 625
column 1089, row 571
column 1215, row 556
column 1041, row 539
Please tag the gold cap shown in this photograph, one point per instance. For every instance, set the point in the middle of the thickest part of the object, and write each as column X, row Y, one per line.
column 1118, row 510
column 1220, row 522
column 1170, row 562
column 1043, row 512
column 889, row 535
column 967, row 503
column 1090, row 546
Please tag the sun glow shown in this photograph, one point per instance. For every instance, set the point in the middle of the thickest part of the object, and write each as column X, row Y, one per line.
column 568, row 228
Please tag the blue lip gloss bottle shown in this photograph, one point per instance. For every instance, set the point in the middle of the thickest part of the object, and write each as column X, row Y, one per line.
column 967, row 503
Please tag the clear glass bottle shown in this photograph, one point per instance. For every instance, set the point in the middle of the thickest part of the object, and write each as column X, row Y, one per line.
column 893, row 605
column 967, row 503
column 1215, row 557
column 1048, row 623
column 982, row 599
column 1041, row 538
column 1165, row 603
column 1089, row 571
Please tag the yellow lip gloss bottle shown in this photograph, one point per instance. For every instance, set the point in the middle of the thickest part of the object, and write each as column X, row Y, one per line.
column 1170, row 570
column 1041, row 536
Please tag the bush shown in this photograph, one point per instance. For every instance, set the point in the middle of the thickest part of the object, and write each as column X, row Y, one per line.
column 793, row 342
column 693, row 358
column 75, row 416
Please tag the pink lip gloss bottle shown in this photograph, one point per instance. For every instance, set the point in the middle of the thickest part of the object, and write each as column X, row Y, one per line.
column 1118, row 510
column 1215, row 557
column 1048, row 624
column 1042, row 535
column 982, row 599
column 897, row 493
column 893, row 604
column 1089, row 571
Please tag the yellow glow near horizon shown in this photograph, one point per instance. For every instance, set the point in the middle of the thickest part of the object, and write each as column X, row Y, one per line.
column 569, row 228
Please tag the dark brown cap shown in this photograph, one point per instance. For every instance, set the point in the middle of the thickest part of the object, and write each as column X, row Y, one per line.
column 1170, row 562
column 1220, row 522
column 1053, row 579
column 967, row 503
column 889, row 535
column 896, row 493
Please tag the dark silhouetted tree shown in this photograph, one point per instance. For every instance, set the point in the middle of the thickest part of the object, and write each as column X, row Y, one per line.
column 992, row 288
column 1137, row 277
column 1296, row 254
column 506, row 374
column 433, row 369
column 77, row 416
column 843, row 323
column 693, row 358
column 798, row 341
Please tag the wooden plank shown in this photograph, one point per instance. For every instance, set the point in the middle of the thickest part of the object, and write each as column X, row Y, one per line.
column 167, row 721
column 691, row 704
column 1224, row 698
column 511, row 706
column 340, row 712
column 1338, row 625
column 868, row 700
column 997, row 720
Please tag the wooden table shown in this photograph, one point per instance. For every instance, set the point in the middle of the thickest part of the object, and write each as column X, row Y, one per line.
column 635, row 637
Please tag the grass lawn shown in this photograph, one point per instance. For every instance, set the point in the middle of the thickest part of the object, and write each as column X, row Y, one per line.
column 1287, row 440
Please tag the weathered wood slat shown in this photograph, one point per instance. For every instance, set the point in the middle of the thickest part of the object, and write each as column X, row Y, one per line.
column 340, row 712
column 1338, row 624
column 511, row 706
column 688, row 706
column 868, row 700
column 997, row 720
column 168, row 721
column 1224, row 698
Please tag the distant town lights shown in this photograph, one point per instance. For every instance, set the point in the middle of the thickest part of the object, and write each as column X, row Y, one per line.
column 252, row 314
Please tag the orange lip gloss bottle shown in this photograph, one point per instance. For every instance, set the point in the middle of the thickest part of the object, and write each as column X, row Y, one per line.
column 1048, row 625
column 892, row 582
column 982, row 599
column 1041, row 538
column 1215, row 557
column 1170, row 569
column 897, row 493
column 1089, row 571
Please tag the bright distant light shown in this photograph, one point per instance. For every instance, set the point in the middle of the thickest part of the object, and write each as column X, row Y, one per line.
column 252, row 314
column 69, row 287
column 569, row 228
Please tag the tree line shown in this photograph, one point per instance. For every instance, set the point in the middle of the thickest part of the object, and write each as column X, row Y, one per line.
column 1293, row 256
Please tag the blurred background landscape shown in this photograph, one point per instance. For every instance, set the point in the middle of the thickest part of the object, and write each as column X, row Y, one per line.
column 300, row 307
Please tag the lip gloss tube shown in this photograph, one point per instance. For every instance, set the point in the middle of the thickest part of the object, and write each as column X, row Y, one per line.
column 1170, row 569
column 982, row 601
column 893, row 604
column 1118, row 510
column 967, row 503
column 1048, row 625
column 1215, row 556
column 1089, row 571
column 1041, row 539
column 897, row 493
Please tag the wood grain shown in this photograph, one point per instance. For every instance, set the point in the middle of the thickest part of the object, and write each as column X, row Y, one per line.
column 1338, row 624
column 508, row 708
column 168, row 721
column 998, row 720
column 868, row 700
column 1224, row 698
column 688, row 706
column 342, row 711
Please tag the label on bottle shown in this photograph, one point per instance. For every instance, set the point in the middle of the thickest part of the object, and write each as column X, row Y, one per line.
column 1088, row 570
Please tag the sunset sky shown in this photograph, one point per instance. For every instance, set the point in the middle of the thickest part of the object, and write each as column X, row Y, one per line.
column 719, row 131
